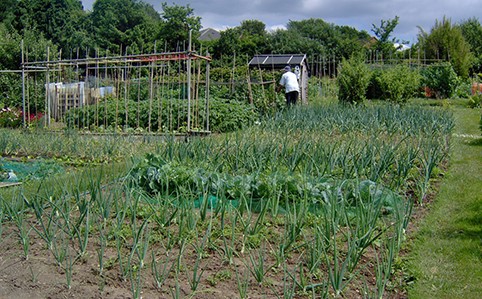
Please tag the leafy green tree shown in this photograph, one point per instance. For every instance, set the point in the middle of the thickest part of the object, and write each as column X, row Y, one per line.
column 472, row 32
column 246, row 40
column 351, row 41
column 342, row 41
column 446, row 42
column 121, row 23
column 10, row 58
column 253, row 28
column 35, row 46
column 385, row 43
column 7, row 11
column 177, row 21
column 253, row 39
column 291, row 41
column 318, row 30
column 58, row 20
column 227, row 44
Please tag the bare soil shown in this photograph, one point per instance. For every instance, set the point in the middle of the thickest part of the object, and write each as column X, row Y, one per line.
column 39, row 275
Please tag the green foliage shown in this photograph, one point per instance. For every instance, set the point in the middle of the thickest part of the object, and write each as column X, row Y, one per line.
column 463, row 90
column 313, row 34
column 224, row 115
column 267, row 160
column 228, row 116
column 262, row 95
column 290, row 41
column 374, row 90
column 10, row 118
column 177, row 21
column 441, row 79
column 353, row 79
column 397, row 84
column 10, row 54
column 10, row 90
column 119, row 23
column 242, row 42
column 475, row 101
column 446, row 42
column 472, row 32
column 155, row 175
column 11, row 49
column 61, row 21
column 385, row 44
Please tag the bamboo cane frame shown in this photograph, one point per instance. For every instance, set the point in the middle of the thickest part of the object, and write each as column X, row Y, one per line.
column 123, row 67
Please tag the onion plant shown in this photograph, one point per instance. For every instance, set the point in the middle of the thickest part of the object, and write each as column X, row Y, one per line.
column 242, row 283
column 322, row 185
column 161, row 269
column 256, row 265
column 15, row 209
column 384, row 262
column 45, row 215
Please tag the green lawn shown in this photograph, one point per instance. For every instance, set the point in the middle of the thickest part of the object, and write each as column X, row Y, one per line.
column 446, row 254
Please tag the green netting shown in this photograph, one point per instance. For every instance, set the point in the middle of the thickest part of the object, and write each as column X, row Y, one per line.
column 20, row 171
column 212, row 202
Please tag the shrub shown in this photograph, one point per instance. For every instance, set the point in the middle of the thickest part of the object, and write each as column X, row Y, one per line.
column 10, row 118
column 228, row 116
column 440, row 79
column 398, row 84
column 374, row 90
column 475, row 101
column 353, row 79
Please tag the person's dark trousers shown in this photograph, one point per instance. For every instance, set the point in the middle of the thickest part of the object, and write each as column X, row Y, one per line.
column 291, row 98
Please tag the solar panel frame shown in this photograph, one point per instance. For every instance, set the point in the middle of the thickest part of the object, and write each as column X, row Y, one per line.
column 277, row 60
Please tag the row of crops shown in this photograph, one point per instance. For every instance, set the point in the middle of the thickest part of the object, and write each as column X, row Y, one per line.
column 313, row 202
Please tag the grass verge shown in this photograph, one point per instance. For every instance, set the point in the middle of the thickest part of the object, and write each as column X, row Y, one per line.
column 446, row 254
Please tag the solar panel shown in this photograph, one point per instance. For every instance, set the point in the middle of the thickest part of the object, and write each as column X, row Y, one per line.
column 277, row 60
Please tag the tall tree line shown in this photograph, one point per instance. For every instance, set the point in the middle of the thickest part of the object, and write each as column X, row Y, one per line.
column 115, row 27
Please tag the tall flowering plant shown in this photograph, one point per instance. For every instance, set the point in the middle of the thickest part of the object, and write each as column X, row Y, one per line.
column 13, row 118
column 10, row 117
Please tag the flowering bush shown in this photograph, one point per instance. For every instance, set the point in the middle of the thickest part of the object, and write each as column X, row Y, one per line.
column 10, row 118
column 35, row 119
column 13, row 118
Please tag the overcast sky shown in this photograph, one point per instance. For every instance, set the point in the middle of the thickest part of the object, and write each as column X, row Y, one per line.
column 360, row 14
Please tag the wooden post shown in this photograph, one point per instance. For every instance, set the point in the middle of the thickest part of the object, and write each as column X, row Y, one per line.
column 47, row 88
column 207, row 93
column 250, row 91
column 23, row 88
column 189, row 83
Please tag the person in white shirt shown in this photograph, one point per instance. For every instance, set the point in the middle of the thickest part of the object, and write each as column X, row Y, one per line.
column 289, row 81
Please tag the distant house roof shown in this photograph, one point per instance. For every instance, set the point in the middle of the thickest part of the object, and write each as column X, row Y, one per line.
column 401, row 47
column 209, row 34
column 277, row 60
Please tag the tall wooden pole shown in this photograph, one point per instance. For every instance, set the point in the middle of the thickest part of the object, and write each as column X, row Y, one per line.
column 47, row 89
column 189, row 83
column 23, row 88
column 207, row 93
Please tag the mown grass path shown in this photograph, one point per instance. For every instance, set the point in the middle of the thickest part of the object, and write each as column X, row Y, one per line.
column 446, row 253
